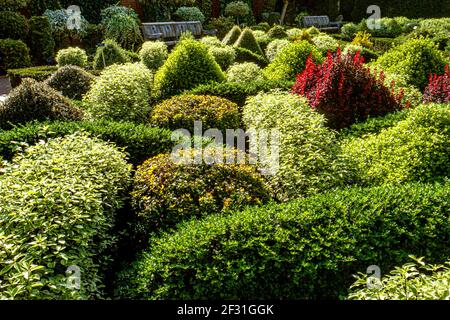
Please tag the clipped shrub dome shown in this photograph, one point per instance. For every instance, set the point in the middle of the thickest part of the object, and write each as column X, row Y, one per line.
column 72, row 81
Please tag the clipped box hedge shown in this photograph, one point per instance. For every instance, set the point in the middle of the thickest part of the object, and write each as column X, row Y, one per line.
column 138, row 140
column 57, row 209
column 304, row 249
column 39, row 73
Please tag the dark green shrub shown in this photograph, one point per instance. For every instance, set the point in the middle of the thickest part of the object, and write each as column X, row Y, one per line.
column 92, row 36
column 40, row 40
column 109, row 53
column 232, row 36
column 13, row 25
column 13, row 54
column 39, row 73
column 36, row 101
column 308, row 160
column 292, row 60
column 221, row 24
column 180, row 112
column 277, row 32
column 239, row 92
column 189, row 14
column 72, row 81
column 67, row 192
column 263, row 26
column 304, row 249
column 187, row 66
column 382, row 44
column 374, row 125
column 167, row 191
column 416, row 59
column 245, row 55
column 71, row 56
column 247, row 41
column 121, row 92
column 138, row 140
column 415, row 149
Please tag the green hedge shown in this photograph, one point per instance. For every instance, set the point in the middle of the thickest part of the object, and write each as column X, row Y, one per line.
column 58, row 205
column 239, row 92
column 139, row 141
column 415, row 149
column 305, row 249
column 13, row 25
column 39, row 73
column 40, row 40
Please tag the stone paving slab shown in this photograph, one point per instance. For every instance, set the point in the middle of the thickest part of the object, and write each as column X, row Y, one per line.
column 5, row 85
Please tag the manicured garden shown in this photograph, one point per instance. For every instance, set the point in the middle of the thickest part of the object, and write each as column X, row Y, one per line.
column 92, row 134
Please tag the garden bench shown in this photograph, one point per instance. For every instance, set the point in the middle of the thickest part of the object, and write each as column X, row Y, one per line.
column 322, row 23
column 171, row 31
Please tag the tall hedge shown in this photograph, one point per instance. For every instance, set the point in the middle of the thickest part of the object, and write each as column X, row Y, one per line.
column 40, row 40
column 305, row 249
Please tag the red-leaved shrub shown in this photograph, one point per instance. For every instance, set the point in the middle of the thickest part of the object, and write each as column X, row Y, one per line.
column 345, row 91
column 438, row 89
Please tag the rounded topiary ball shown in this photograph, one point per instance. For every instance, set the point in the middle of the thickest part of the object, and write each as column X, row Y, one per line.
column 121, row 92
column 72, row 81
column 153, row 54
column 171, row 188
column 72, row 56
column 181, row 112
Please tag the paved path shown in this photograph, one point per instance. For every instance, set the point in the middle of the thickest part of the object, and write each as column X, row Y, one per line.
column 5, row 87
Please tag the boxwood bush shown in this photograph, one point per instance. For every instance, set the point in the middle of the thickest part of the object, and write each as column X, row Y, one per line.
column 415, row 149
column 72, row 81
column 140, row 141
column 244, row 72
column 245, row 55
column 248, row 41
column 416, row 59
column 58, row 202
column 304, row 249
column 153, row 54
column 121, row 92
column 181, row 111
column 13, row 25
column 13, row 54
column 74, row 56
column 238, row 92
column 275, row 47
column 224, row 55
column 39, row 73
column 232, row 36
column 187, row 66
column 170, row 188
column 292, row 60
column 109, row 53
column 308, row 154
column 40, row 40
column 36, row 101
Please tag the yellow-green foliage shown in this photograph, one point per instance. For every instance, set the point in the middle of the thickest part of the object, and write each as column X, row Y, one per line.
column 415, row 149
column 232, row 36
column 412, row 281
column 245, row 72
column 168, row 189
column 181, row 112
column 291, row 61
column 248, row 41
column 57, row 209
column 122, row 92
column 416, row 59
column 362, row 38
column 153, row 54
column 73, row 56
column 308, row 160
column 187, row 66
